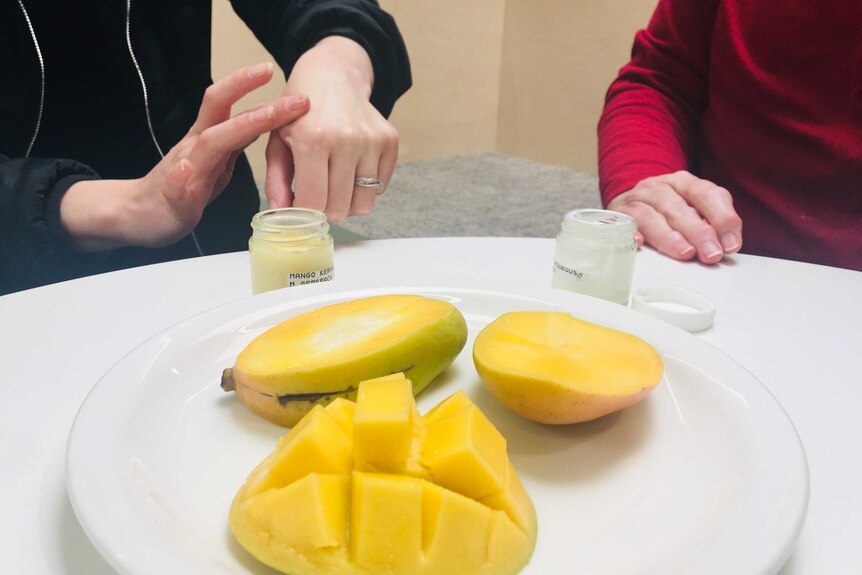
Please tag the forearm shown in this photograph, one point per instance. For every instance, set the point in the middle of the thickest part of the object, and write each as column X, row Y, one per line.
column 650, row 122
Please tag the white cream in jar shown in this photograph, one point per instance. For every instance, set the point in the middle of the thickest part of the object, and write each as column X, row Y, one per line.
column 290, row 247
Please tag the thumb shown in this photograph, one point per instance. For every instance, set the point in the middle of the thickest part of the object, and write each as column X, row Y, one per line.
column 279, row 172
column 176, row 180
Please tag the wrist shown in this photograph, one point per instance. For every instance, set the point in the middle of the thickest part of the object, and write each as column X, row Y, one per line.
column 342, row 59
column 91, row 212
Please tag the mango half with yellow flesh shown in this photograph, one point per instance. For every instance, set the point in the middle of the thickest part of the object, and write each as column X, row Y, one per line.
column 323, row 354
column 373, row 487
column 551, row 367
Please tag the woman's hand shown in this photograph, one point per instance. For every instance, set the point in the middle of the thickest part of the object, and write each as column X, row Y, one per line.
column 314, row 161
column 682, row 216
column 167, row 203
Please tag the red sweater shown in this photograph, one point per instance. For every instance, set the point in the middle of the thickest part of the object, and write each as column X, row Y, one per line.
column 762, row 98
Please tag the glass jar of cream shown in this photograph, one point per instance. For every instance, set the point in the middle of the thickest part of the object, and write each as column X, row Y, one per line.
column 290, row 247
column 595, row 254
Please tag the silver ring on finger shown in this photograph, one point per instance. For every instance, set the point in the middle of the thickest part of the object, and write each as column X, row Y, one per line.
column 369, row 183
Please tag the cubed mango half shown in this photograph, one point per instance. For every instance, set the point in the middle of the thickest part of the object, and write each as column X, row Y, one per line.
column 403, row 495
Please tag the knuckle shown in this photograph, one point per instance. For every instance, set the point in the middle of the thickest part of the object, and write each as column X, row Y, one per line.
column 727, row 220
column 347, row 136
column 206, row 139
column 336, row 215
column 186, row 145
column 211, row 96
column 724, row 195
column 388, row 136
column 700, row 195
column 308, row 197
column 626, row 199
column 683, row 216
column 635, row 209
column 318, row 136
column 682, row 178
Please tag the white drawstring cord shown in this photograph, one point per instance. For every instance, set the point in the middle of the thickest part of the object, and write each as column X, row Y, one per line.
column 42, row 69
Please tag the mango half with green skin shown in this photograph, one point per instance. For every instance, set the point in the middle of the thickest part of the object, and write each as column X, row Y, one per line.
column 373, row 488
column 551, row 367
column 323, row 354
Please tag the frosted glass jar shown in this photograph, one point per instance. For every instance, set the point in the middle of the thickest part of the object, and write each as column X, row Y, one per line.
column 595, row 254
column 290, row 247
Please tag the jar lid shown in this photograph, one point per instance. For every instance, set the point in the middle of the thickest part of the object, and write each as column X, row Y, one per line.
column 685, row 308
column 601, row 223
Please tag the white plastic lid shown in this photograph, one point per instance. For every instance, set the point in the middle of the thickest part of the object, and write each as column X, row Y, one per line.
column 685, row 308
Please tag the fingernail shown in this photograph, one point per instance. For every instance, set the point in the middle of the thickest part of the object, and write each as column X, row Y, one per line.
column 730, row 242
column 686, row 251
column 294, row 102
column 259, row 70
column 711, row 250
column 271, row 204
column 262, row 114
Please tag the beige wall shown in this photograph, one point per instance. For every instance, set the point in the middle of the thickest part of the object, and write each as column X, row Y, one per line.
column 455, row 48
column 559, row 57
column 523, row 77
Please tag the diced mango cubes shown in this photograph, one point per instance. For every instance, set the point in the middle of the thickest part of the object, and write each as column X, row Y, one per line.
column 383, row 425
column 310, row 513
column 316, row 445
column 385, row 522
column 374, row 487
column 464, row 452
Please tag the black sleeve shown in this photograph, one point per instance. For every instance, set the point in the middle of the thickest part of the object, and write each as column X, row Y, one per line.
column 287, row 28
column 34, row 247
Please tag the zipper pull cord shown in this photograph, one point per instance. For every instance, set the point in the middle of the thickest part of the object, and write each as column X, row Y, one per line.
column 42, row 70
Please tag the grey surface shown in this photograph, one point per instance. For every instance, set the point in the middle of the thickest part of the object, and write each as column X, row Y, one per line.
column 475, row 195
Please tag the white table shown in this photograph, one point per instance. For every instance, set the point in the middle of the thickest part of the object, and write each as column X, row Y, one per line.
column 796, row 327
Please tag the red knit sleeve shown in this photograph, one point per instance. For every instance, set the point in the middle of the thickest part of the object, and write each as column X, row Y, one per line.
column 652, row 109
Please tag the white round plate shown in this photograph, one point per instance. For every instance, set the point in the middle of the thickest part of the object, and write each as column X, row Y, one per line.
column 705, row 476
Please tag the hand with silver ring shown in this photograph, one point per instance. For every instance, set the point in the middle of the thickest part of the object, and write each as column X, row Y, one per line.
column 340, row 155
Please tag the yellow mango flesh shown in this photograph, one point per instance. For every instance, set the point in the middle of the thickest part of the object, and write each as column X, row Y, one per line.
column 323, row 354
column 551, row 367
column 399, row 503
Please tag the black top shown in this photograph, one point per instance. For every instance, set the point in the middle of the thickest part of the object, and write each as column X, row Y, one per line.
column 94, row 122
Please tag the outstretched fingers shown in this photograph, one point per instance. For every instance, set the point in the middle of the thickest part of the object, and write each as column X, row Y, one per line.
column 218, row 142
column 220, row 97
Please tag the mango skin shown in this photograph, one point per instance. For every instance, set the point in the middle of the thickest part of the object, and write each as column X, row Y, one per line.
column 318, row 356
column 551, row 367
column 332, row 500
